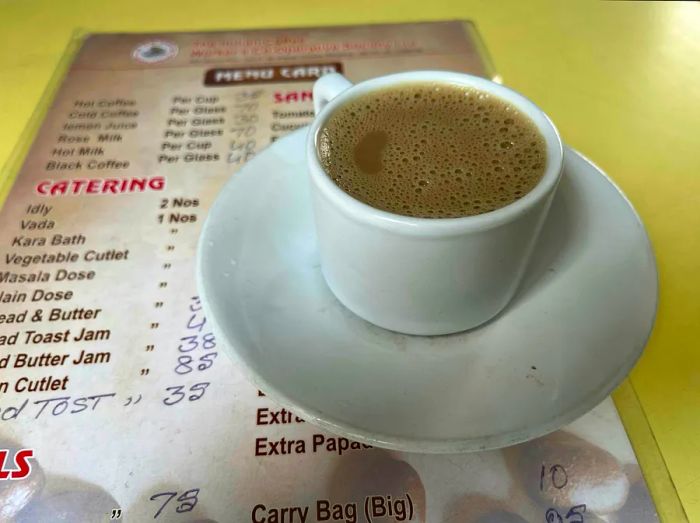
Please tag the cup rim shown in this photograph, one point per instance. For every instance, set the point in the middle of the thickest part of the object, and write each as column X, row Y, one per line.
column 367, row 214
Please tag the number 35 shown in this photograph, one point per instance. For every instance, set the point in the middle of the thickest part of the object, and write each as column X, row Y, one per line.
column 176, row 393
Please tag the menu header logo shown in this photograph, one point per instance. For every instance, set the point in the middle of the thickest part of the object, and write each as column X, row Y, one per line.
column 269, row 73
column 154, row 52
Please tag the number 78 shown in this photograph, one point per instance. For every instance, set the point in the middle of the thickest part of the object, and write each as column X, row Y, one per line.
column 188, row 500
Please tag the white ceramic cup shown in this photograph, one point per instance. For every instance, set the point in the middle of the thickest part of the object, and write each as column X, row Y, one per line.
column 425, row 276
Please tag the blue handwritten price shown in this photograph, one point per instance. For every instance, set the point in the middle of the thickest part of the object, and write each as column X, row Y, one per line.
column 185, row 502
column 243, row 145
column 574, row 515
column 557, row 477
column 196, row 348
column 177, row 393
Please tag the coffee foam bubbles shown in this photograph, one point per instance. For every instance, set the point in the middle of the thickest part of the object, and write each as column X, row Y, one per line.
column 432, row 150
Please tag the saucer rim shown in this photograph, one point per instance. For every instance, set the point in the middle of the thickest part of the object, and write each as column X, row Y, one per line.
column 422, row 445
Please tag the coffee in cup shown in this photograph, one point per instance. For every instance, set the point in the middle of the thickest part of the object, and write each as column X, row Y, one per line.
column 432, row 150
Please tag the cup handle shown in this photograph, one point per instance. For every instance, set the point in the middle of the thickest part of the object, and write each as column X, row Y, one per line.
column 328, row 87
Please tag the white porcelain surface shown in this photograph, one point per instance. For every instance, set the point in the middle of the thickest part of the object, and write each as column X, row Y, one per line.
column 417, row 275
column 574, row 329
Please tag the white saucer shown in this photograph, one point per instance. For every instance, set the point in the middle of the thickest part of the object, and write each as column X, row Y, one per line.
column 574, row 330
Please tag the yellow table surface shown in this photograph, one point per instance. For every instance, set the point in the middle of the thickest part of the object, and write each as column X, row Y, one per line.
column 620, row 79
